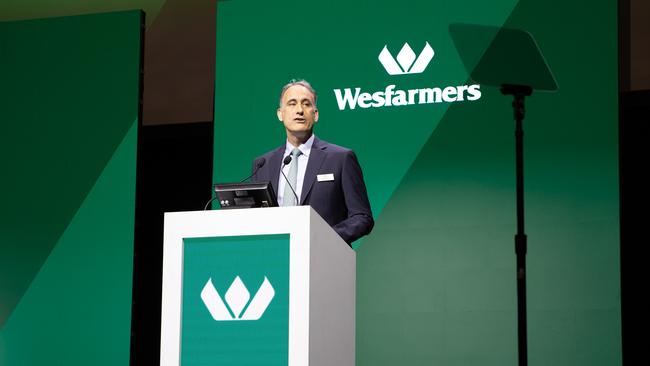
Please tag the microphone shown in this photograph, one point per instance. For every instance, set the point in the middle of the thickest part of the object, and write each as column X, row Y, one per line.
column 257, row 165
column 286, row 161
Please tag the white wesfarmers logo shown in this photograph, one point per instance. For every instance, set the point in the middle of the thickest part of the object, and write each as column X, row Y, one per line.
column 405, row 63
column 237, row 298
column 406, row 58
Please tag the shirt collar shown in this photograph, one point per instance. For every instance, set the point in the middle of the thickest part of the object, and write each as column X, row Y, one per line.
column 305, row 148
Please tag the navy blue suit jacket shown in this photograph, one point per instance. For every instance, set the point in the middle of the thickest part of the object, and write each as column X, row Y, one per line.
column 342, row 202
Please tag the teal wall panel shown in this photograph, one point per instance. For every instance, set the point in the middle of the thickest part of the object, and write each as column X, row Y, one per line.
column 69, row 112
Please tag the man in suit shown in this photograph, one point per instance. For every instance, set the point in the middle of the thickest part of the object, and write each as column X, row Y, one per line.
column 325, row 176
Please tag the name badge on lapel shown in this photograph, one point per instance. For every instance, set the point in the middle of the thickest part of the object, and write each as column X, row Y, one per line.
column 325, row 177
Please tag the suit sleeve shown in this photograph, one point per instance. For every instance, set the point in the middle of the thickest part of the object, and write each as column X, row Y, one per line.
column 254, row 172
column 359, row 221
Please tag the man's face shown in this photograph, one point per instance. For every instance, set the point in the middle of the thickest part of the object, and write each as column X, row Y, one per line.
column 297, row 111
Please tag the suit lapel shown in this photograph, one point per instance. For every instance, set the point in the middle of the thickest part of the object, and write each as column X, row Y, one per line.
column 274, row 165
column 316, row 158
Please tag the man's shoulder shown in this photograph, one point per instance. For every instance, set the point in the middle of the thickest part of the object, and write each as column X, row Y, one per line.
column 332, row 148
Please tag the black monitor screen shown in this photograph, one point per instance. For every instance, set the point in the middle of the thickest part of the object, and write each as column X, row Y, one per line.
column 245, row 195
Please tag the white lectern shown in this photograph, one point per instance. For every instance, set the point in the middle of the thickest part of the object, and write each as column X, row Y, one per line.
column 263, row 286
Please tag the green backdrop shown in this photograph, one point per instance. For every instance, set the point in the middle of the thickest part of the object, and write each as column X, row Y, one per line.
column 436, row 278
column 69, row 98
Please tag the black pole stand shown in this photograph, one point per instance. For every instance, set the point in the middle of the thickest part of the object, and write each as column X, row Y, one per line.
column 519, row 93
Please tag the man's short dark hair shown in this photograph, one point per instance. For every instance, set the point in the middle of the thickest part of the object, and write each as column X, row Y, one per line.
column 301, row 82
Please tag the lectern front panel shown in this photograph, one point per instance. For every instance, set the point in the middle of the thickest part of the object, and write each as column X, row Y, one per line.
column 235, row 300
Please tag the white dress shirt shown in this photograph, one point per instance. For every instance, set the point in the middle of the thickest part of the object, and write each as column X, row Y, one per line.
column 303, row 158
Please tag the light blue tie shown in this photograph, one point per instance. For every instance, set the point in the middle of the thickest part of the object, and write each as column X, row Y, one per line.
column 289, row 199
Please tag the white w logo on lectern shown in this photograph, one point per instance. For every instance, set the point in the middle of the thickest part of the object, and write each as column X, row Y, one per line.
column 408, row 64
column 237, row 298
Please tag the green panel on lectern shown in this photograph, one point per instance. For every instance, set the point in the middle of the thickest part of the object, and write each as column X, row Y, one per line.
column 232, row 274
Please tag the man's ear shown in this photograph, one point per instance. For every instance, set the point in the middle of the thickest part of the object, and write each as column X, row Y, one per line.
column 279, row 113
column 316, row 115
